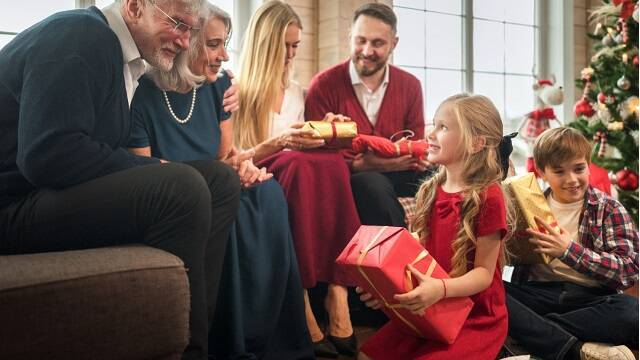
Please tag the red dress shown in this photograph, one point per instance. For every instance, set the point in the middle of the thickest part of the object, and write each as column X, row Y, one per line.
column 485, row 329
column 322, row 212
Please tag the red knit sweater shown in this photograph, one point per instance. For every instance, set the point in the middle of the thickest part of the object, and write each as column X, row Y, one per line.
column 401, row 109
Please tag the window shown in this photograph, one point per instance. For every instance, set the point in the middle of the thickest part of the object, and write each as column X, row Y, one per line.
column 22, row 14
column 492, row 53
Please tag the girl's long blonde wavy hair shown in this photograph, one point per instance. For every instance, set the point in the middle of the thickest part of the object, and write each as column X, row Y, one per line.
column 477, row 118
column 262, row 73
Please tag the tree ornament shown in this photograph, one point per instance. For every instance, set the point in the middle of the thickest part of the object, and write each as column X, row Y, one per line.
column 615, row 126
column 608, row 40
column 635, row 13
column 613, row 178
column 601, row 138
column 604, row 115
column 631, row 104
column 635, row 60
column 583, row 107
column 619, row 39
column 606, row 99
column 627, row 179
column 587, row 73
column 598, row 30
column 624, row 83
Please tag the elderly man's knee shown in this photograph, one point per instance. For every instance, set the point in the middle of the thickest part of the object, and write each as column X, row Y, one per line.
column 371, row 184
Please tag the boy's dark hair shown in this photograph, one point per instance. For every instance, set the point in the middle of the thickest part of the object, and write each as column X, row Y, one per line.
column 379, row 11
column 555, row 147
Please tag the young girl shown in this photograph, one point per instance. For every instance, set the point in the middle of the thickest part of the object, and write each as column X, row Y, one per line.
column 461, row 220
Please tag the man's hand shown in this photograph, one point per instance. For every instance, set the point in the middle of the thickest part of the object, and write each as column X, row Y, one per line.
column 429, row 292
column 552, row 243
column 371, row 162
column 231, row 101
column 330, row 117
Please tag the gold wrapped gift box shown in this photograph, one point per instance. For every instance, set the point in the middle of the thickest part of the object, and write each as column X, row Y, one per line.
column 336, row 134
column 530, row 200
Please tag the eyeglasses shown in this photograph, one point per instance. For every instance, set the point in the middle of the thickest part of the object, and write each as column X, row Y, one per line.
column 179, row 27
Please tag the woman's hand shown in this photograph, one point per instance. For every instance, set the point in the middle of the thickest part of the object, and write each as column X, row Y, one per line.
column 298, row 139
column 429, row 292
column 249, row 174
column 330, row 117
column 368, row 299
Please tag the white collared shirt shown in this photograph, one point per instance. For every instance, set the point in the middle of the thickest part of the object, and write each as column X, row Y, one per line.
column 370, row 100
column 133, row 64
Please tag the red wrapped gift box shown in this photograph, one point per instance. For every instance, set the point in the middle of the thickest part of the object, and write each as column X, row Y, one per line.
column 377, row 258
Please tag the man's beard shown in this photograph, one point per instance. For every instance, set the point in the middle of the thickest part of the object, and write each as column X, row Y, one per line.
column 160, row 60
column 363, row 71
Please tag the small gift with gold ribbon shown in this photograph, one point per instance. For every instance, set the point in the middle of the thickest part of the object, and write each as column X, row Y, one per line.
column 377, row 259
column 337, row 134
column 531, row 202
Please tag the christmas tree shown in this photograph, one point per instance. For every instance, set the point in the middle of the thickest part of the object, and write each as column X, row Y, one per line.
column 608, row 109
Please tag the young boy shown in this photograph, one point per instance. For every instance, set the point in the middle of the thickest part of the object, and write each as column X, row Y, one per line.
column 572, row 308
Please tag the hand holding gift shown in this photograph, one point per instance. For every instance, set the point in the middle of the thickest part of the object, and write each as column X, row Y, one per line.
column 531, row 203
column 551, row 242
column 429, row 292
column 336, row 130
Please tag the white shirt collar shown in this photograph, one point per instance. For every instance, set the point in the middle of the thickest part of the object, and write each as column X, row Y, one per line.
column 355, row 78
column 116, row 23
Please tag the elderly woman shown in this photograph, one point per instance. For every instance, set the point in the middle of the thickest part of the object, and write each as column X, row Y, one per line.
column 316, row 182
column 179, row 116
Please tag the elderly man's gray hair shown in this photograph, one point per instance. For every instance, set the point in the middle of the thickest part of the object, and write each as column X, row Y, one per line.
column 180, row 77
column 194, row 6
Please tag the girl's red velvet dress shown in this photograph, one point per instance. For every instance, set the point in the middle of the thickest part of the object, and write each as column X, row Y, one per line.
column 485, row 329
column 322, row 212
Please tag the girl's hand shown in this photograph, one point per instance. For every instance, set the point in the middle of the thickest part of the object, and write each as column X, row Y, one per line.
column 429, row 292
column 297, row 139
column 368, row 299
column 552, row 243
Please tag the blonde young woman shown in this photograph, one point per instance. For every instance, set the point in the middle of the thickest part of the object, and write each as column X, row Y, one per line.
column 179, row 115
column 316, row 182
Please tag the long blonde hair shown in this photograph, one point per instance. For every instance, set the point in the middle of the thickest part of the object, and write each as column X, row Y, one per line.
column 477, row 118
column 262, row 72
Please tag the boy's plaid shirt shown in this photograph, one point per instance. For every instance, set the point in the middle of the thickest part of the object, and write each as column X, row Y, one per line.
column 609, row 242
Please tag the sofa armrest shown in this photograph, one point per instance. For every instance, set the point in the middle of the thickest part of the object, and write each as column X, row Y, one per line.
column 127, row 302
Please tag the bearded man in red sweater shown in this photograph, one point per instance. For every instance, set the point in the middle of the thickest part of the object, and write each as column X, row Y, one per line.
column 383, row 100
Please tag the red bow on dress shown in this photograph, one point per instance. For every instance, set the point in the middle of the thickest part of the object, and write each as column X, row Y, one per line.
column 543, row 114
column 445, row 207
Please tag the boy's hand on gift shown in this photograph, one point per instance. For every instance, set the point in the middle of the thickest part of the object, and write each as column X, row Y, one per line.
column 368, row 299
column 429, row 292
column 552, row 242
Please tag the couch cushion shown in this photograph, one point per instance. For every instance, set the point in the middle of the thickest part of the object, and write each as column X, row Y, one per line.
column 129, row 302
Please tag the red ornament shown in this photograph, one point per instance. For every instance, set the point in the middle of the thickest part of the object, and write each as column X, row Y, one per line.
column 606, row 99
column 627, row 179
column 635, row 60
column 583, row 107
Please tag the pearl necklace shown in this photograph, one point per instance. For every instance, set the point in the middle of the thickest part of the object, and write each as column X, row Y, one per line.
column 193, row 103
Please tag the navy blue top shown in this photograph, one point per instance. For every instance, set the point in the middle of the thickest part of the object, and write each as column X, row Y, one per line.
column 64, row 112
column 154, row 126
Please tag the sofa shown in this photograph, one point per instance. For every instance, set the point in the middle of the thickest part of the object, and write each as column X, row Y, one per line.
column 124, row 302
